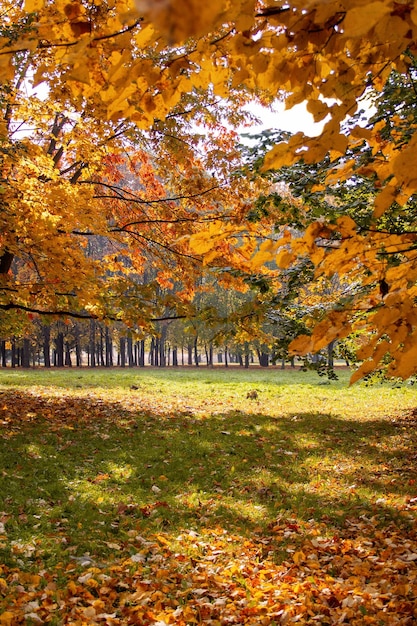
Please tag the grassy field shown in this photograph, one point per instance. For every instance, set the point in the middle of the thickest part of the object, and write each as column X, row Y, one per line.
column 171, row 497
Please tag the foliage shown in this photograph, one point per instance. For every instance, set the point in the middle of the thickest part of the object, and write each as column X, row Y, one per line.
column 97, row 204
column 182, row 501
column 144, row 82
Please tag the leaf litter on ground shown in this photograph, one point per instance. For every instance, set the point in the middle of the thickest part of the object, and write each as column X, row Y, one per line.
column 117, row 510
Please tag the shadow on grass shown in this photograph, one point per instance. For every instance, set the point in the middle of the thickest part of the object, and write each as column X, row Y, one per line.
column 77, row 475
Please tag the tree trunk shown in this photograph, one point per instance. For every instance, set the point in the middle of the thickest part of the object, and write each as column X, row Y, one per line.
column 68, row 361
column 109, row 348
column 162, row 346
column 330, row 354
column 78, row 355
column 122, row 350
column 196, row 351
column 156, row 352
column 141, row 359
column 263, row 358
column 92, row 343
column 247, row 355
column 130, row 359
column 3, row 353
column 46, row 332
column 26, row 353
column 14, row 353
column 100, row 348
column 175, row 357
column 59, row 349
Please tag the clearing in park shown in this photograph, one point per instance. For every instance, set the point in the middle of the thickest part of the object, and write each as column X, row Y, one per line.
column 180, row 497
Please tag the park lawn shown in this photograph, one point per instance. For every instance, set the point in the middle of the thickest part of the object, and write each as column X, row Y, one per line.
column 170, row 497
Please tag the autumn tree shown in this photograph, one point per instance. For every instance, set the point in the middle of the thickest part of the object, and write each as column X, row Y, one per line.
column 95, row 197
column 152, row 72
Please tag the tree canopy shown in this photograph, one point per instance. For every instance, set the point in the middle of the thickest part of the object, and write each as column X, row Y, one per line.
column 119, row 152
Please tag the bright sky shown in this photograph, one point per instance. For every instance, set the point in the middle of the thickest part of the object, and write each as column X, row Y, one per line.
column 296, row 119
column 293, row 120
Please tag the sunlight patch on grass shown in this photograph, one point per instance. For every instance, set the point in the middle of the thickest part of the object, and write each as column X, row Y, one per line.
column 33, row 450
column 88, row 492
column 119, row 472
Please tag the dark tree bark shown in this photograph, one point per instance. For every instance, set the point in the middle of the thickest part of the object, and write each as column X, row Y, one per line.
column 14, row 353
column 59, row 349
column 3, row 353
column 26, row 353
column 122, row 351
column 100, row 348
column 330, row 354
column 130, row 359
column 162, row 347
column 196, row 351
column 46, row 345
column 247, row 356
column 78, row 355
column 175, row 357
column 263, row 358
column 141, row 356
column 92, row 343
column 109, row 348
column 68, row 361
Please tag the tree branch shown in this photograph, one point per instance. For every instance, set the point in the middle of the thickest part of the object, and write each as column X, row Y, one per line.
column 67, row 44
column 120, row 191
column 83, row 316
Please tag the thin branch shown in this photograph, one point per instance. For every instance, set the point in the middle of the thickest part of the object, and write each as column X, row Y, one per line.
column 161, row 221
column 120, row 191
column 82, row 316
column 28, row 309
column 47, row 46
column 139, row 236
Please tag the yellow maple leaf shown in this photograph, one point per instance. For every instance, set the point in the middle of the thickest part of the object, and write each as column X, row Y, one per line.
column 318, row 109
column 384, row 200
column 366, row 368
column 298, row 557
column 284, row 259
column 284, row 153
column 301, row 345
column 360, row 19
column 405, row 167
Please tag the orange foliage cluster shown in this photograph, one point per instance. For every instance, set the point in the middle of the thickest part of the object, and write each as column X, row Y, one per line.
column 168, row 79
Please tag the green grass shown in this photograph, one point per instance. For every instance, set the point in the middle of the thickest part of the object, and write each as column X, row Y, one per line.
column 87, row 463
column 84, row 457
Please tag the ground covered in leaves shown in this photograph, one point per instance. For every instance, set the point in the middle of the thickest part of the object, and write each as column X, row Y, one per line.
column 173, row 498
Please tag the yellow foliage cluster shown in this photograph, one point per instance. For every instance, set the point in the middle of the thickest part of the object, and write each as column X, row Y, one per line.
column 109, row 63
